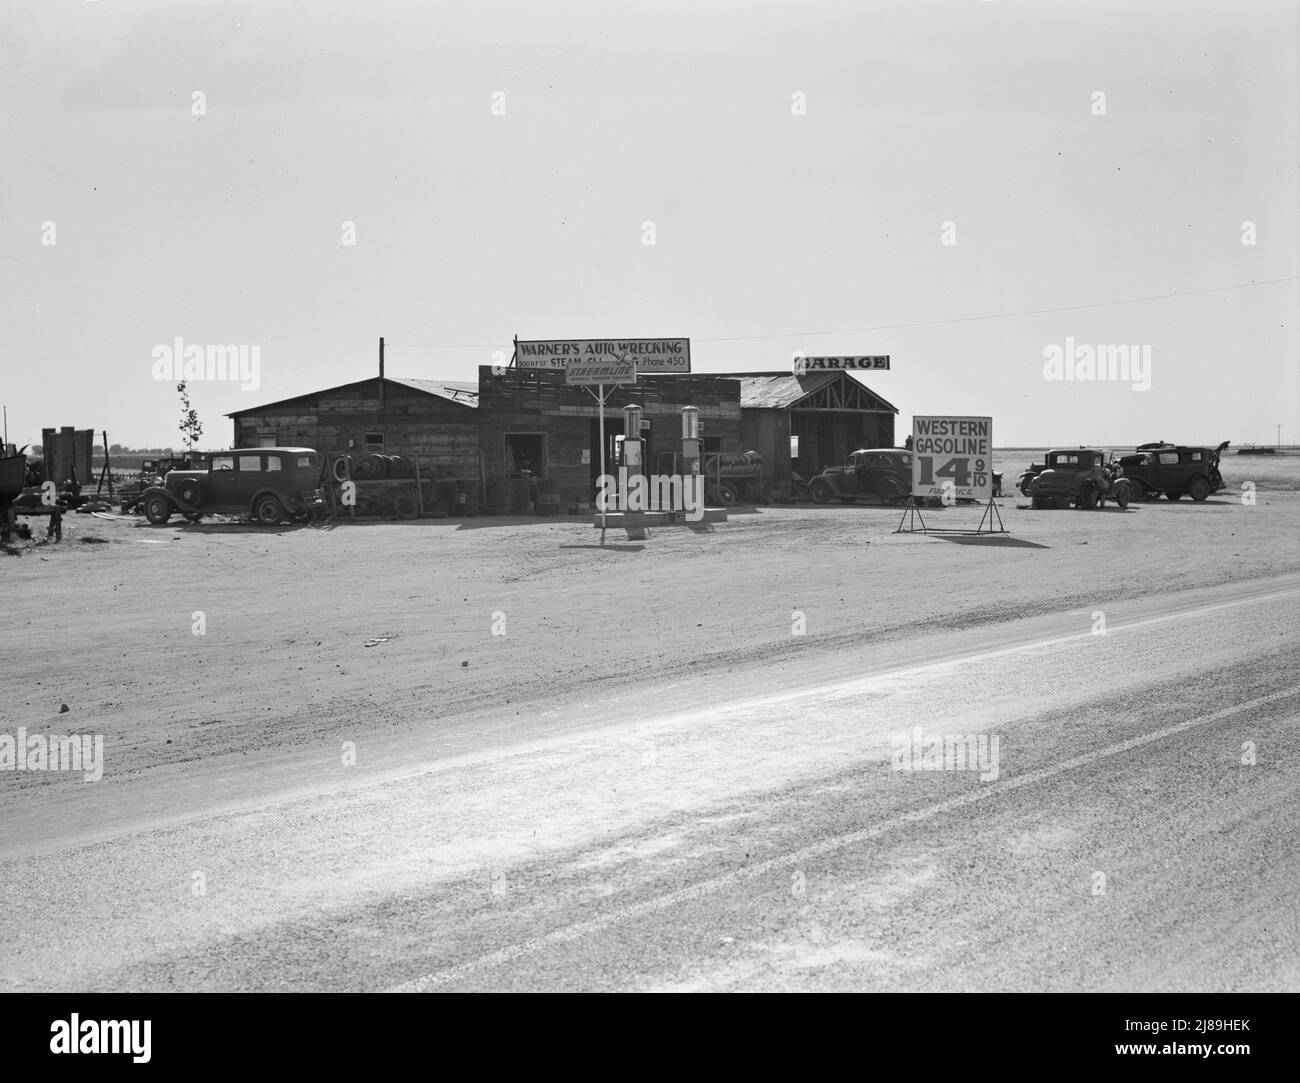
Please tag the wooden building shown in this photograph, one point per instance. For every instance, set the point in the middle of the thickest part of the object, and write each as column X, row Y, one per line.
column 809, row 422
column 530, row 419
column 436, row 420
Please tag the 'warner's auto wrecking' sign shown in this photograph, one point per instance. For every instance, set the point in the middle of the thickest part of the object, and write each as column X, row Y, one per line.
column 952, row 457
column 651, row 355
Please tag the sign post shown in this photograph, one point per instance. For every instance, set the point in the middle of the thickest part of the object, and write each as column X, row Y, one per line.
column 600, row 371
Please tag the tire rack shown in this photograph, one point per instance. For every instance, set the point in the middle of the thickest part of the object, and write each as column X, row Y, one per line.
column 334, row 456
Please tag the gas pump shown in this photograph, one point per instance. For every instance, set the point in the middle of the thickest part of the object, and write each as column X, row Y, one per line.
column 690, row 440
column 692, row 455
column 632, row 442
column 632, row 459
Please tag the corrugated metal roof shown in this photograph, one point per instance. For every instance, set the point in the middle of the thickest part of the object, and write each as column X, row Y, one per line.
column 457, row 391
column 782, row 390
column 779, row 391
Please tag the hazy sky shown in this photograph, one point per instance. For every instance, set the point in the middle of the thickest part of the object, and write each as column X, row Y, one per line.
column 777, row 227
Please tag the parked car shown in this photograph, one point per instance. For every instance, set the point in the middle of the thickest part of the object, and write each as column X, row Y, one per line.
column 883, row 473
column 269, row 484
column 1083, row 477
column 1026, row 478
column 1174, row 470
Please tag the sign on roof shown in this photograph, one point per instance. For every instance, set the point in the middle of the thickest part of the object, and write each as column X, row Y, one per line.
column 828, row 364
column 652, row 355
column 616, row 371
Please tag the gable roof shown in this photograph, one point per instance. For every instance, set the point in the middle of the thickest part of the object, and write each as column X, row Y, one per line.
column 457, row 391
column 785, row 390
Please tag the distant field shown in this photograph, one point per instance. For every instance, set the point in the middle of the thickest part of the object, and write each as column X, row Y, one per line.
column 1279, row 472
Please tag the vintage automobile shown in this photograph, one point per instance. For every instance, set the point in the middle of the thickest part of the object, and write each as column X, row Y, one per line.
column 1023, row 482
column 1083, row 477
column 882, row 473
column 1174, row 470
column 269, row 484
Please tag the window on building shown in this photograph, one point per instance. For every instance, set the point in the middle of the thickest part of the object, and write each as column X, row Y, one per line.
column 266, row 439
column 526, row 452
column 794, row 447
column 373, row 441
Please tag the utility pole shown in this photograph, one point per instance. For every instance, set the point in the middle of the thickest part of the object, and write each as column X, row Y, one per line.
column 381, row 372
column 1279, row 436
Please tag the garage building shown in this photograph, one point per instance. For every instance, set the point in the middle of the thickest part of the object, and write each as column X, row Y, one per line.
column 436, row 420
column 808, row 422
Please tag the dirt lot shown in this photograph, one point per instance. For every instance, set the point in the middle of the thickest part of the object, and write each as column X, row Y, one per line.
column 313, row 634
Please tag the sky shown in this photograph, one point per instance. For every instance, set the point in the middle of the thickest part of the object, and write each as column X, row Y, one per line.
column 936, row 181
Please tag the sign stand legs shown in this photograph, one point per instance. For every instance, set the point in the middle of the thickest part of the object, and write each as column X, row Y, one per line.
column 910, row 515
column 990, row 513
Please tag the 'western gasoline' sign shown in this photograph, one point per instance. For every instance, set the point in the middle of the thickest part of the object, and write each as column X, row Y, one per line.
column 952, row 457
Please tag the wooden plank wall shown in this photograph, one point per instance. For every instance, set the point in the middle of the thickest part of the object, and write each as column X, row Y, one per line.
column 442, row 433
column 768, row 433
column 66, row 450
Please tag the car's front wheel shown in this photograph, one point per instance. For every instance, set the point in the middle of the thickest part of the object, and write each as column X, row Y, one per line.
column 269, row 511
column 821, row 492
column 158, row 509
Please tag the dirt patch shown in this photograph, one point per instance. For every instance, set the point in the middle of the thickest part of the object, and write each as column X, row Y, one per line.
column 180, row 645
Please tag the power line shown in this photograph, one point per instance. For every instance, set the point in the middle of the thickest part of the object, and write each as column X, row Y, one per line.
column 901, row 326
column 1008, row 315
